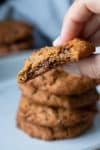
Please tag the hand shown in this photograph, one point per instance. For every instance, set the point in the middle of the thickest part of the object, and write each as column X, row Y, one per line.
column 82, row 20
column 89, row 66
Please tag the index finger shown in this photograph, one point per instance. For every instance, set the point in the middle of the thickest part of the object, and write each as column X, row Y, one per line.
column 75, row 19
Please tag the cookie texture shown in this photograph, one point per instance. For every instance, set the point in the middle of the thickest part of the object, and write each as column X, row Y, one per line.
column 54, row 117
column 49, row 57
column 59, row 82
column 48, row 99
column 47, row 133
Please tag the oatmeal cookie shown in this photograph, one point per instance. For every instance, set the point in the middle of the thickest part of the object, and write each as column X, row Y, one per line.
column 59, row 82
column 47, row 133
column 64, row 101
column 49, row 57
column 54, row 117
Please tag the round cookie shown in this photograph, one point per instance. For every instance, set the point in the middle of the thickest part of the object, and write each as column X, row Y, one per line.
column 51, row 133
column 45, row 98
column 53, row 117
column 13, row 30
column 48, row 58
column 59, row 82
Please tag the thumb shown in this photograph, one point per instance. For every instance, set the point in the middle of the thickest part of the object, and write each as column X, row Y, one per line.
column 89, row 66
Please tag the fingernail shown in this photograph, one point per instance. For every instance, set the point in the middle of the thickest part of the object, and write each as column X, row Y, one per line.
column 57, row 42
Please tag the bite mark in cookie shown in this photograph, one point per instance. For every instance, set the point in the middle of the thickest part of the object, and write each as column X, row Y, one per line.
column 49, row 57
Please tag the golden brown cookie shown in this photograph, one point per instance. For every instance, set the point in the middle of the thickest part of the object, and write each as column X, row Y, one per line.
column 47, row 133
column 54, row 117
column 49, row 57
column 58, row 82
column 13, row 30
column 65, row 101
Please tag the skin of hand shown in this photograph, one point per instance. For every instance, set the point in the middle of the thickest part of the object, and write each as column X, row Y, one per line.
column 83, row 20
column 83, row 67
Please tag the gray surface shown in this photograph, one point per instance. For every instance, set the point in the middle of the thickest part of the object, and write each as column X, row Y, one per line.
column 11, row 137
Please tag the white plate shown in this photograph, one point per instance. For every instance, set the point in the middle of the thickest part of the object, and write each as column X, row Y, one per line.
column 12, row 138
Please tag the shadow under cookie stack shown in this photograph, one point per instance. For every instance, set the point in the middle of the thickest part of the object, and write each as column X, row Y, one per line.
column 57, row 105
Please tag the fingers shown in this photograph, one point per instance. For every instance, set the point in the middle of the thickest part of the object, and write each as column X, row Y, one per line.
column 68, row 34
column 92, row 26
column 90, row 66
column 76, row 19
column 70, row 29
column 93, row 5
column 96, row 38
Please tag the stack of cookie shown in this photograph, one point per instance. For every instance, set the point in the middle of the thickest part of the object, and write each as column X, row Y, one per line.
column 15, row 36
column 57, row 105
